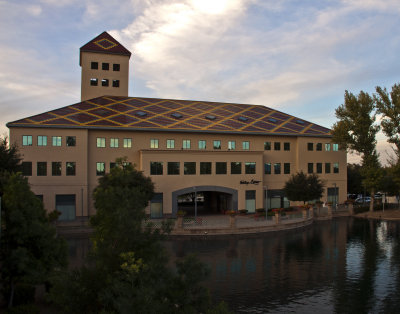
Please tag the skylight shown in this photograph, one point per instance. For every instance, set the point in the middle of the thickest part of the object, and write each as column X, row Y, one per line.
column 299, row 122
column 243, row 119
column 272, row 120
column 210, row 117
column 141, row 113
column 176, row 115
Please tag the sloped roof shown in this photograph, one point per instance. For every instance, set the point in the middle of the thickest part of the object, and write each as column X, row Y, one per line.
column 104, row 43
column 153, row 114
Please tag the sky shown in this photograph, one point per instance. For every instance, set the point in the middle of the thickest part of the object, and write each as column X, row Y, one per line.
column 297, row 56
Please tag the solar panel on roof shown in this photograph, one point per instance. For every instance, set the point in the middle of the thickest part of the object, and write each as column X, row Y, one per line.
column 243, row 119
column 210, row 117
column 141, row 113
column 176, row 115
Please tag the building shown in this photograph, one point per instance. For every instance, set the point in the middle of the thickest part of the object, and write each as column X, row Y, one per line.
column 213, row 156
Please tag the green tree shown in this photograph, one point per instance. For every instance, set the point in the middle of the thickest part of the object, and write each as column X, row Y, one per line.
column 354, row 179
column 356, row 132
column 127, row 268
column 9, row 157
column 30, row 250
column 303, row 187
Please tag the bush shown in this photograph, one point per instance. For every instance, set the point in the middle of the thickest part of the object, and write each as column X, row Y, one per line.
column 24, row 309
column 243, row 211
column 23, row 294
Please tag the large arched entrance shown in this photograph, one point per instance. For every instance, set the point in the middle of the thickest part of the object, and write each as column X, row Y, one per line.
column 204, row 200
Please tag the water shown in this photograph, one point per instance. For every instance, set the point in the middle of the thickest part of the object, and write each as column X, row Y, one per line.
column 341, row 266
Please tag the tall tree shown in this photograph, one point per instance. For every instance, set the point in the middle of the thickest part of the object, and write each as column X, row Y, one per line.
column 303, row 187
column 354, row 179
column 9, row 156
column 356, row 132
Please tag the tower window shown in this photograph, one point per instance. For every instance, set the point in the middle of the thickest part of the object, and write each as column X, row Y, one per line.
column 94, row 65
column 115, row 83
column 116, row 67
column 105, row 66
column 93, row 81
column 104, row 82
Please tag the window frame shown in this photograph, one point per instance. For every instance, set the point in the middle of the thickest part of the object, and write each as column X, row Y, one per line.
column 286, row 168
column 94, row 65
column 310, row 167
column 186, row 144
column 56, row 141
column 27, row 140
column 246, row 145
column 310, row 146
column 236, row 167
column 41, row 139
column 154, row 144
column 105, row 66
column 70, row 141
column 277, row 146
column 277, row 168
column 68, row 171
column 116, row 67
column 114, row 142
column 127, row 142
column 100, row 142
column 56, row 168
column 207, row 170
column 188, row 168
column 231, row 145
column 267, row 168
column 41, row 168
column 216, row 144
column 171, row 171
column 267, row 145
column 221, row 167
column 100, row 172
column 286, row 146
column 155, row 167
column 250, row 167
column 170, row 143
column 26, row 168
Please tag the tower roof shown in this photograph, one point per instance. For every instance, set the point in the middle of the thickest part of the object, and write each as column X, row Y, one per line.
column 104, row 43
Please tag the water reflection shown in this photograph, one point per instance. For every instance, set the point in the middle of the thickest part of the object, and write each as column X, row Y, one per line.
column 344, row 265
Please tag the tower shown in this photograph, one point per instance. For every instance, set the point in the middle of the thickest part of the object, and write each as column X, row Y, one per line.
column 105, row 67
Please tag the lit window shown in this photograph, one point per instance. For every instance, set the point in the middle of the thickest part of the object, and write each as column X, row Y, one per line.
column 310, row 146
column 105, row 66
column 250, row 167
column 42, row 140
column 101, row 142
column 286, row 146
column 94, row 81
column 100, row 168
column 202, row 144
column 170, row 144
column 319, row 147
column 56, row 168
column 220, row 168
column 236, row 168
column 277, row 146
column 267, row 145
column 27, row 140
column 189, row 168
column 156, row 168
column 319, row 167
column 56, row 140
column 205, row 167
column 70, row 168
column 127, row 143
column 277, row 168
column 104, row 82
column 154, row 143
column 26, row 168
column 246, row 145
column 310, row 167
column 71, row 141
column 217, row 144
column 231, row 145
column 335, row 147
column 327, row 167
column 114, row 142
column 267, row 168
column 327, row 147
column 286, row 168
column 94, row 65
column 186, row 144
column 173, row 168
column 335, row 167
column 41, row 168
column 116, row 67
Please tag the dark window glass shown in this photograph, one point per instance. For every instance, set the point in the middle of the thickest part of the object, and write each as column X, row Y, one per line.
column 319, row 167
column 277, row 168
column 189, row 168
column 250, row 167
column 71, row 141
column 116, row 67
column 310, row 167
column 56, row 168
column 173, row 168
column 26, row 168
column 105, row 66
column 236, row 168
column 220, row 168
column 286, row 146
column 318, row 147
column 267, row 168
column 42, row 168
column 310, row 146
column 156, row 168
column 66, row 205
column 113, row 165
column 327, row 167
column 217, row 144
column 277, row 146
column 94, row 81
column 267, row 145
column 115, row 83
column 286, row 168
column 104, row 82
column 335, row 167
column 94, row 65
column 205, row 167
column 70, row 168
column 100, row 168
column 250, row 195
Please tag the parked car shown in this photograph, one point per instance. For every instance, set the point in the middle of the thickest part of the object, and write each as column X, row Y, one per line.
column 363, row 200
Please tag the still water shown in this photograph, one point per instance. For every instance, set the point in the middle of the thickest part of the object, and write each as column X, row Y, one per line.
column 345, row 265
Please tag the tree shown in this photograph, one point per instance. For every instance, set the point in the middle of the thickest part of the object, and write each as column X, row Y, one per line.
column 9, row 157
column 303, row 187
column 30, row 250
column 354, row 179
column 356, row 132
column 127, row 268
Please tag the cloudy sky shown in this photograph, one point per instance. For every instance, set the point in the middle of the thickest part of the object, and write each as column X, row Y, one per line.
column 298, row 56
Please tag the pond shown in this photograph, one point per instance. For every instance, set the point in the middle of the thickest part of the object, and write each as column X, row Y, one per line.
column 344, row 265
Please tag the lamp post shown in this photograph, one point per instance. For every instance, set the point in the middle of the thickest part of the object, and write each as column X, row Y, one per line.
column 266, row 202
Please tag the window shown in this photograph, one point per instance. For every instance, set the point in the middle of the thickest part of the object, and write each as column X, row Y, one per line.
column 319, row 167
column 26, row 168
column 65, row 204
column 205, row 167
column 335, row 167
column 93, row 81
column 170, row 143
column 71, row 141
column 186, row 144
column 318, row 147
column 56, row 168
column 101, row 142
column 267, row 168
column 335, row 147
column 277, row 168
column 112, row 165
column 154, row 143
column 310, row 146
column 327, row 147
column 231, row 145
column 100, row 168
column 220, row 168
column 236, row 168
column 286, row 168
column 251, row 201
column 277, row 146
column 125, row 164
column 104, row 82
column 127, row 143
column 202, row 144
column 310, row 167
column 286, row 146
column 189, row 167
column 156, row 206
column 250, row 167
column 217, row 144
column 267, row 145
column 115, row 83
column 116, row 67
column 41, row 168
column 114, row 142
column 70, row 169
column 327, row 167
column 42, row 140
column 156, row 168
column 94, row 65
column 56, row 140
column 105, row 66
column 173, row 168
column 27, row 140
column 246, row 145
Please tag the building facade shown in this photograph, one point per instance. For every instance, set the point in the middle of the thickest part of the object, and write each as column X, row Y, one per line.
column 217, row 156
